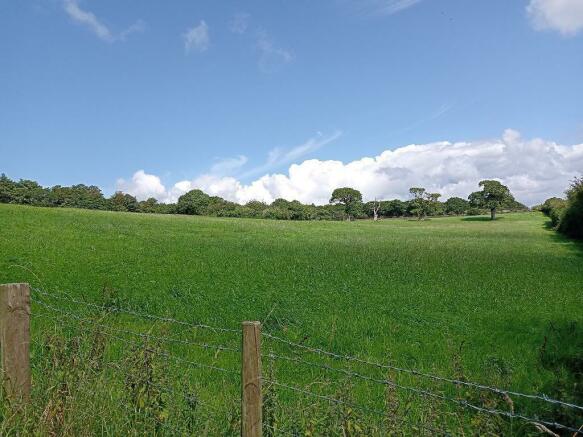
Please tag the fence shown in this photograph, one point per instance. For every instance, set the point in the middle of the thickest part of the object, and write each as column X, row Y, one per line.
column 15, row 338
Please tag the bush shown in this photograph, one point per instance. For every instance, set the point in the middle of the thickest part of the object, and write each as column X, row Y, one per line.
column 473, row 211
column 276, row 213
column 571, row 217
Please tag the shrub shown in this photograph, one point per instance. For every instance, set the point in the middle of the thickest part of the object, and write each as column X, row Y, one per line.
column 473, row 211
column 553, row 209
column 571, row 217
column 276, row 213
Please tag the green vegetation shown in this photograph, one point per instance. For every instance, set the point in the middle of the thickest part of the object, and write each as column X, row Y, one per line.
column 567, row 215
column 497, row 302
column 493, row 196
column 350, row 198
column 345, row 203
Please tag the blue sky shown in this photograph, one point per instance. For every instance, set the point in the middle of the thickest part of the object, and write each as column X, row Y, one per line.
column 220, row 94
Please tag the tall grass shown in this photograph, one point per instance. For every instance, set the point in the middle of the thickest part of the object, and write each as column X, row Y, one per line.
column 459, row 297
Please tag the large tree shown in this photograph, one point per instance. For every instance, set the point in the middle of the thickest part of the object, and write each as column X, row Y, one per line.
column 350, row 198
column 493, row 196
column 194, row 202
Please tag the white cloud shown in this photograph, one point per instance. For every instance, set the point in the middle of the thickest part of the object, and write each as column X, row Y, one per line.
column 138, row 26
column 564, row 16
column 143, row 186
column 89, row 20
column 278, row 156
column 390, row 7
column 271, row 57
column 381, row 7
column 534, row 170
column 228, row 165
column 197, row 38
column 239, row 23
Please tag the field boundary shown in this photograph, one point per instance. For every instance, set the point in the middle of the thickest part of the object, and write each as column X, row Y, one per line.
column 15, row 338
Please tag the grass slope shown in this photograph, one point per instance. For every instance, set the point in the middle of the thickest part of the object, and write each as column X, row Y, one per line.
column 440, row 296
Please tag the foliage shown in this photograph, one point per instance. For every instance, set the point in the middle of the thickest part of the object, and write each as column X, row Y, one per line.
column 194, row 202
column 456, row 206
column 571, row 218
column 416, row 289
column 423, row 203
column 553, row 208
column 122, row 202
column 350, row 198
column 494, row 195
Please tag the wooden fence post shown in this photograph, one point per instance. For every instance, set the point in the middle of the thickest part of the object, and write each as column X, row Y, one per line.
column 15, row 340
column 251, row 397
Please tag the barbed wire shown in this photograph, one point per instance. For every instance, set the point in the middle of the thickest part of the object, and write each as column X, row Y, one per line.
column 462, row 403
column 342, row 402
column 496, row 390
column 426, row 393
column 64, row 296
column 419, row 391
column 197, row 401
column 134, row 343
column 164, row 339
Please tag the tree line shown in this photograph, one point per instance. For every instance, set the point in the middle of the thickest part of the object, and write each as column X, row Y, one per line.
column 345, row 203
column 566, row 214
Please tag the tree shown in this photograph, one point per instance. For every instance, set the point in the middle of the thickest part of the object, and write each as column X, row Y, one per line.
column 493, row 196
column 123, row 202
column 7, row 186
column 373, row 209
column 393, row 208
column 423, row 203
column 350, row 198
column 194, row 202
column 571, row 218
column 456, row 205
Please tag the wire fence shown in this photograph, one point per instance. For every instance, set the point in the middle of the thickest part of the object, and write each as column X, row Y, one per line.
column 99, row 317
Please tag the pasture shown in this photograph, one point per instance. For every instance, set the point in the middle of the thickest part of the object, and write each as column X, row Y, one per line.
column 498, row 303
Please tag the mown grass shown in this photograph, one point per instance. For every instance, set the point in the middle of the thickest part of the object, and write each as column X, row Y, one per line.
column 458, row 297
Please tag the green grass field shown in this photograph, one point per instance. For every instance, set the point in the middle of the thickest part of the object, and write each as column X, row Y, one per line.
column 457, row 297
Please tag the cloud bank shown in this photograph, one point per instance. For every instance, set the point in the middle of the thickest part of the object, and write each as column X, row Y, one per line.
column 564, row 16
column 534, row 169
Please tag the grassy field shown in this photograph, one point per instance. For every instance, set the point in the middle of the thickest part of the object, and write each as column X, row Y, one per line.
column 494, row 302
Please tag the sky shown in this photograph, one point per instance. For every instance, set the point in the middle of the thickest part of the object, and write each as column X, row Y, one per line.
column 267, row 99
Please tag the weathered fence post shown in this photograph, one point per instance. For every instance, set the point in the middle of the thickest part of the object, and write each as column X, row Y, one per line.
column 15, row 340
column 251, row 397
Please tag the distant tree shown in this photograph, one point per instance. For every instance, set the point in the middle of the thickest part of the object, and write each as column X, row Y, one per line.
column 122, row 202
column 423, row 203
column 350, row 198
column 373, row 209
column 27, row 192
column 393, row 208
column 376, row 207
column 7, row 186
column 276, row 213
column 434, row 206
column 77, row 196
column 148, row 206
column 256, row 208
column 493, row 195
column 194, row 202
column 456, row 205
